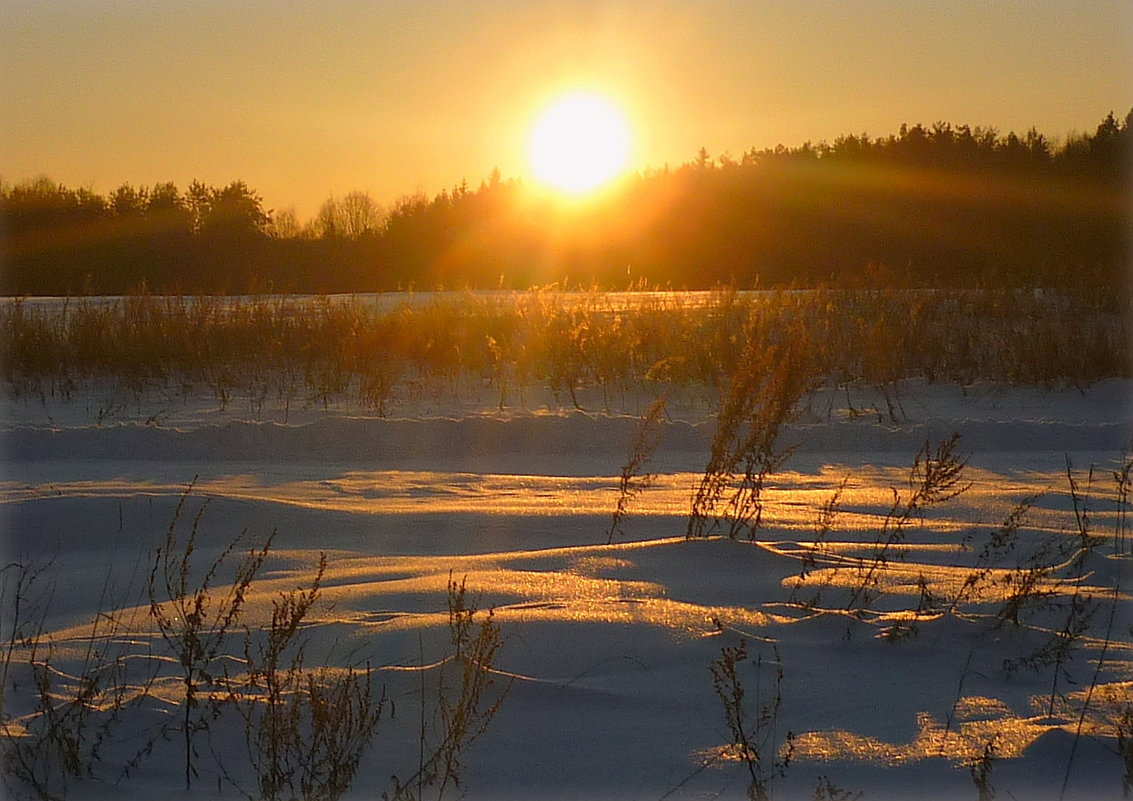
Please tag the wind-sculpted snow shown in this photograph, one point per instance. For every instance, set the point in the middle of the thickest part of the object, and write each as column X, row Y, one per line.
column 372, row 440
column 607, row 644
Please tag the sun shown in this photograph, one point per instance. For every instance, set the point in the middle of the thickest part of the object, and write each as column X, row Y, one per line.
column 579, row 142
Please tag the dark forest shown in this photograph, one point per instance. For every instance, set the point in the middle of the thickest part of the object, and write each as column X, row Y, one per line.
column 938, row 205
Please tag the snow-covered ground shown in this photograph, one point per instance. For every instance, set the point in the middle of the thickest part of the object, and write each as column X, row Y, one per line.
column 607, row 648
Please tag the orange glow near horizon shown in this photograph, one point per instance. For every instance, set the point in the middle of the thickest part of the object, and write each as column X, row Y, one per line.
column 392, row 99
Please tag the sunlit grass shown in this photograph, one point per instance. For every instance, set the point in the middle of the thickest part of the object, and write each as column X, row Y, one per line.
column 582, row 349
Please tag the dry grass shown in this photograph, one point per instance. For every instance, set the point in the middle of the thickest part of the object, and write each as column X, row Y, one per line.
column 321, row 350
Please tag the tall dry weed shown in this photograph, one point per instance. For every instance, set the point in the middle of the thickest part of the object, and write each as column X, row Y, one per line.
column 746, row 449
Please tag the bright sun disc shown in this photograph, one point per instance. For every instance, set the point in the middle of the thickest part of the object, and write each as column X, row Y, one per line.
column 578, row 143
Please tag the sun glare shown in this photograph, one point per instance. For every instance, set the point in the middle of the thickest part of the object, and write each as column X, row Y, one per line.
column 578, row 143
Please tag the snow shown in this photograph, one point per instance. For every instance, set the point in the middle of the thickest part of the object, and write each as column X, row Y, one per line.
column 607, row 647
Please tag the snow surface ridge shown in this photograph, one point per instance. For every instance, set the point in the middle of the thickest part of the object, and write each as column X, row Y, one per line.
column 369, row 439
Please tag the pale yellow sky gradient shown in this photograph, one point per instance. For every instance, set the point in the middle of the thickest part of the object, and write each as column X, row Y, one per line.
column 305, row 99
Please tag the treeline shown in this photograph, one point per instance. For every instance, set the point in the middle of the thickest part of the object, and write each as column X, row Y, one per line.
column 940, row 205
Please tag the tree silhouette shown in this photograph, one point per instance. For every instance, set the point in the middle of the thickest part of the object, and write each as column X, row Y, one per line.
column 942, row 204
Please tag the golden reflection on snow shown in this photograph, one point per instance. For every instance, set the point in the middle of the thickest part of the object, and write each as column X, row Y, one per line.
column 594, row 565
column 397, row 492
column 577, row 584
column 545, row 596
column 1109, row 711
column 948, row 581
column 847, row 565
column 964, row 742
column 792, row 498
column 978, row 723
column 686, row 618
column 974, row 707
column 724, row 754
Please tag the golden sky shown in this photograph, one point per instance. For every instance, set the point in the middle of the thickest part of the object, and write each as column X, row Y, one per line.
column 305, row 99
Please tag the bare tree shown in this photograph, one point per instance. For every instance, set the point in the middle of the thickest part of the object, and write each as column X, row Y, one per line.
column 353, row 216
column 360, row 215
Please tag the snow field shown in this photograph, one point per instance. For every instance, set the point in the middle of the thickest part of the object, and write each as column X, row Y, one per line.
column 607, row 647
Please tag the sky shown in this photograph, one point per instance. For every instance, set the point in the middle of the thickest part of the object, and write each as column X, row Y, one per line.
column 306, row 99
